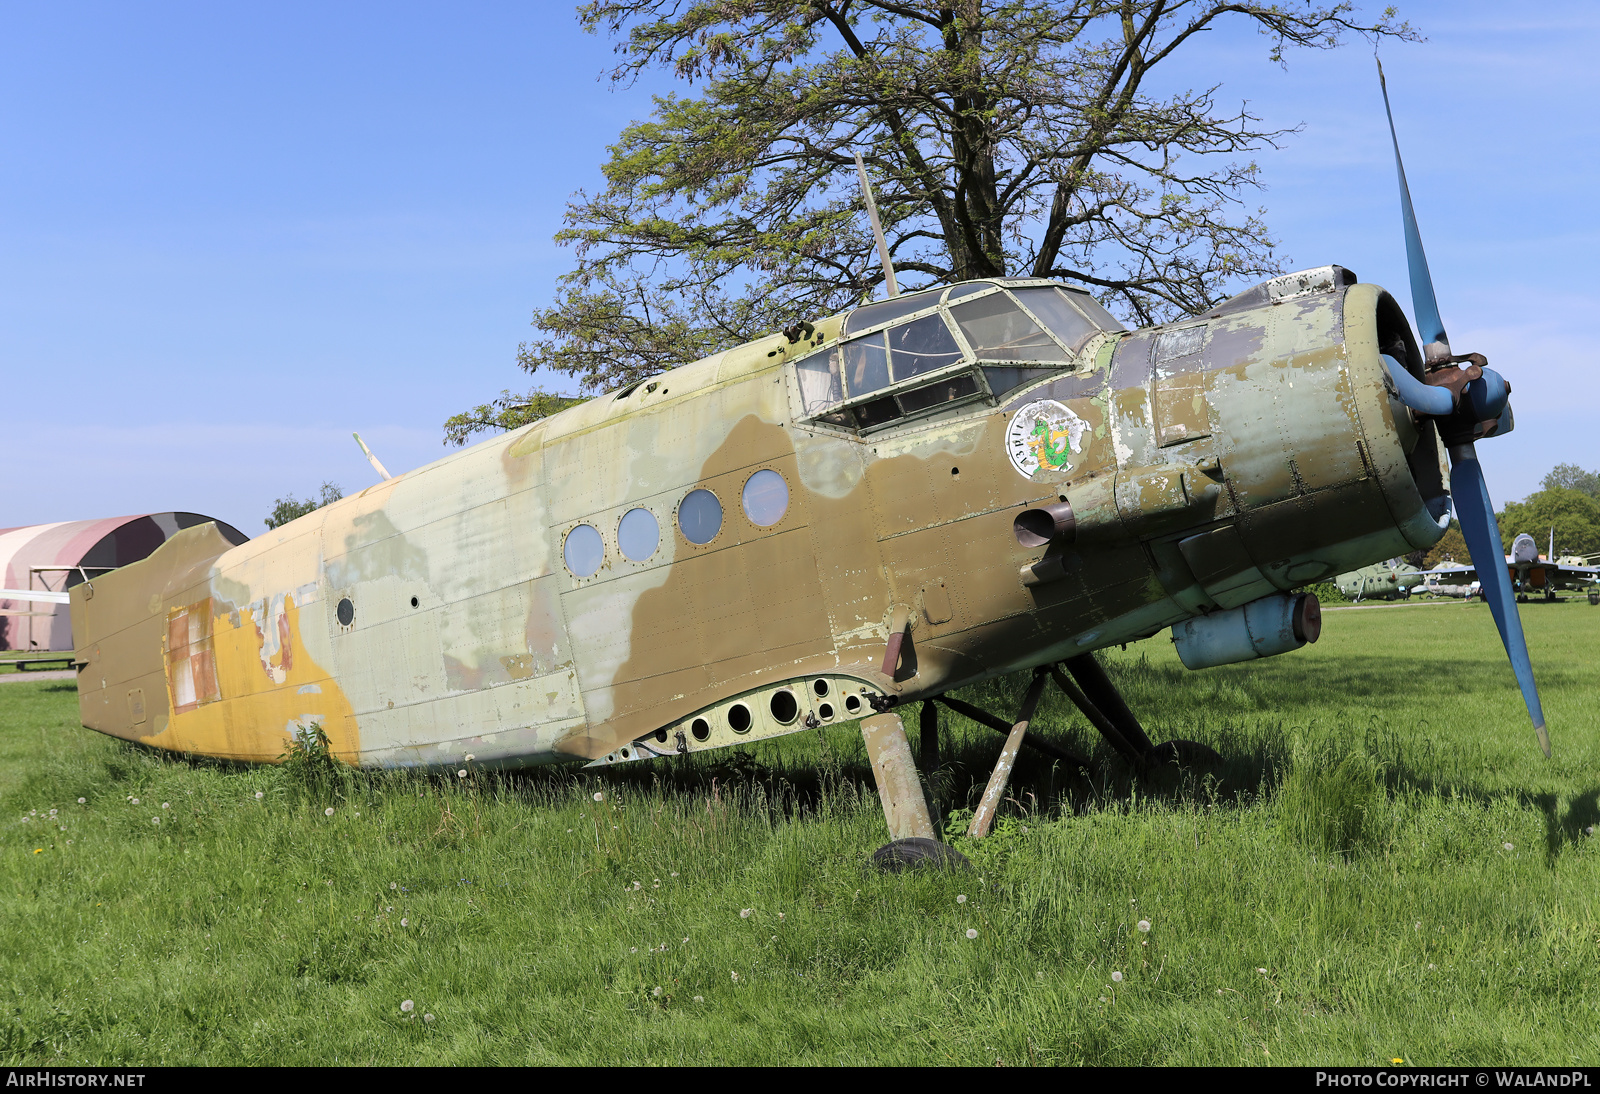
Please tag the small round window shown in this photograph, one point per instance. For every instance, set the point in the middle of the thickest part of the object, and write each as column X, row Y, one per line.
column 766, row 498
column 584, row 550
column 345, row 612
column 700, row 516
column 638, row 534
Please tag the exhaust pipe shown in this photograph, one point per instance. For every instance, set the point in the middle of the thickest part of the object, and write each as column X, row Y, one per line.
column 1261, row 628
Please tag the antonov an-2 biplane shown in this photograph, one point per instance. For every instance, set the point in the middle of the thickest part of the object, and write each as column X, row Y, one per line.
column 864, row 511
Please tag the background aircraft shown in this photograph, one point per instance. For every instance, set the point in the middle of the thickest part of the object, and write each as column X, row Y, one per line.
column 1529, row 570
column 1390, row 580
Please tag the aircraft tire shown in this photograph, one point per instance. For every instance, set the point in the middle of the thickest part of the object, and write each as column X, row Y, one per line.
column 1184, row 754
column 918, row 853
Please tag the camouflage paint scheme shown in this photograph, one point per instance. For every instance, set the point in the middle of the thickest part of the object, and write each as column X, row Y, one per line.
column 1393, row 579
column 1251, row 450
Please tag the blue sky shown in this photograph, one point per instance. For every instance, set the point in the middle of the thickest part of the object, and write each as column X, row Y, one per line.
column 230, row 235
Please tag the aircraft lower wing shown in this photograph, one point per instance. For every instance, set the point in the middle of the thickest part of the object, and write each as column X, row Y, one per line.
column 43, row 596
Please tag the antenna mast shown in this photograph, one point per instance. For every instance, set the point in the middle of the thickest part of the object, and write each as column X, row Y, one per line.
column 877, row 229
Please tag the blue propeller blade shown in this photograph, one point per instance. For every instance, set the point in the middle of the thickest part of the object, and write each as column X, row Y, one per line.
column 1423, row 302
column 1476, row 513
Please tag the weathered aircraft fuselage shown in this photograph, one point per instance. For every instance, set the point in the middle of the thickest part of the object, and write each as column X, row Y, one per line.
column 863, row 477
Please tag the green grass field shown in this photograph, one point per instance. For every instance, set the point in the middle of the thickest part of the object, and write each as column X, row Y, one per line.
column 1385, row 867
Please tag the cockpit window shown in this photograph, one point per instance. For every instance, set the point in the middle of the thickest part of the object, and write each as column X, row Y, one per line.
column 874, row 361
column 886, row 310
column 870, row 380
column 1095, row 311
column 998, row 330
column 1056, row 311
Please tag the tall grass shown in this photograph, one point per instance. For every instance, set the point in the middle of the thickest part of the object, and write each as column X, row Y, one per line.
column 1383, row 866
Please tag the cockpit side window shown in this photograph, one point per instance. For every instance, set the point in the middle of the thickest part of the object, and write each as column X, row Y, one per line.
column 1055, row 311
column 1095, row 311
column 921, row 345
column 886, row 310
column 998, row 330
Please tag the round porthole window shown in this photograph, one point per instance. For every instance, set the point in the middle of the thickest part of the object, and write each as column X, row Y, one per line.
column 584, row 550
column 766, row 498
column 638, row 535
column 345, row 613
column 700, row 516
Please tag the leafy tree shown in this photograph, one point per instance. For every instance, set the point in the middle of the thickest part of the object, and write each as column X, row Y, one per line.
column 505, row 413
column 290, row 507
column 1569, row 476
column 1573, row 514
column 1452, row 547
column 1003, row 137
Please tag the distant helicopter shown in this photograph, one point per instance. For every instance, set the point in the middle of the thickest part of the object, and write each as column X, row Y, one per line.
column 1392, row 579
column 828, row 524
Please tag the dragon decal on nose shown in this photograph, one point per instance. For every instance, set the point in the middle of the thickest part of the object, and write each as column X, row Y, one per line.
column 1044, row 434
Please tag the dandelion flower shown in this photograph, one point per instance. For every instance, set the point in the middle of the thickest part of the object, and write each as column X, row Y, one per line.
column 155, row 820
column 135, row 801
column 259, row 795
column 699, row 999
column 633, row 949
column 962, row 899
column 599, row 797
column 1116, row 978
column 569, row 829
column 63, row 828
column 408, row 1006
column 53, row 812
column 405, row 923
column 462, row 773
column 81, row 801
column 1508, row 847
column 686, row 940
column 972, row 932
column 328, row 812
column 735, row 978
column 780, row 916
column 637, row 886
column 394, row 885
column 470, row 757
column 1263, row 972
column 1431, row 965
column 656, row 992
column 38, row 850
column 164, row 805
column 1396, row 1060
column 1144, row 925
column 427, row 1017
column 744, row 913
column 674, row 873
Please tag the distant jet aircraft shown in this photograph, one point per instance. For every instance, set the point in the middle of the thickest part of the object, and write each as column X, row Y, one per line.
column 1528, row 569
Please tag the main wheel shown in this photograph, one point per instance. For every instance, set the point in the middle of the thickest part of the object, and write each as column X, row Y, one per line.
column 1183, row 754
column 918, row 853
